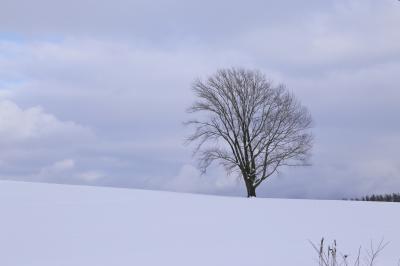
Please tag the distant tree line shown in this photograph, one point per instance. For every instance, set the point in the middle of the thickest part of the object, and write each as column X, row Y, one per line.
column 394, row 197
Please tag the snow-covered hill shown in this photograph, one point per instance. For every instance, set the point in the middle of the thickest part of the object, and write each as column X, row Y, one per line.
column 57, row 225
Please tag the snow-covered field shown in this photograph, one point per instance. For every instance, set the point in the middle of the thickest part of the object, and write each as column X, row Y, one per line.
column 56, row 225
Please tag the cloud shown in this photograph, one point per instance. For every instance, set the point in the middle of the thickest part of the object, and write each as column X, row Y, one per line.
column 67, row 171
column 100, row 99
column 31, row 139
column 160, row 21
column 57, row 168
column 32, row 124
column 189, row 179
column 347, row 35
column 91, row 176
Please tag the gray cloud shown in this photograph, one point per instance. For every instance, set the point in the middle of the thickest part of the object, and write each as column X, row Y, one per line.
column 95, row 93
column 166, row 21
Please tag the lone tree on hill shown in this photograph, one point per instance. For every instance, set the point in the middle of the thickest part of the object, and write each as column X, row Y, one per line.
column 248, row 125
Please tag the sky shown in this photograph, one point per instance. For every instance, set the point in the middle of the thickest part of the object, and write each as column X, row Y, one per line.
column 96, row 92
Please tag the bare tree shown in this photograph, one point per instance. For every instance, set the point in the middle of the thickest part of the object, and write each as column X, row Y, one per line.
column 248, row 125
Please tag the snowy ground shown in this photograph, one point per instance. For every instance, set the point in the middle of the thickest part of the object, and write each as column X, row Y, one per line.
column 57, row 225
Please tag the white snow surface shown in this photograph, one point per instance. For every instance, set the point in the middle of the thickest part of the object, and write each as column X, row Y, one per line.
column 57, row 225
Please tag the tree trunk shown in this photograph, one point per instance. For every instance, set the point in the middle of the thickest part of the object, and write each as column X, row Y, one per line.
column 251, row 190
